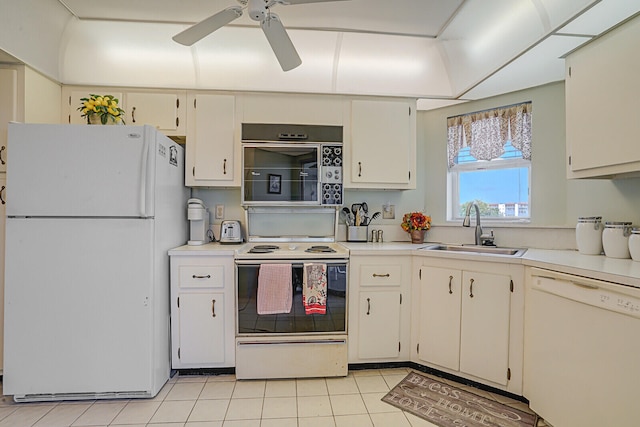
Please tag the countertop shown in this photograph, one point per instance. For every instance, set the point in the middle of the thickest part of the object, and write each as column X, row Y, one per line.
column 623, row 271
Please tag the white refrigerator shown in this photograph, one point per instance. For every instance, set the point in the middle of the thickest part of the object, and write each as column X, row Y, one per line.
column 91, row 214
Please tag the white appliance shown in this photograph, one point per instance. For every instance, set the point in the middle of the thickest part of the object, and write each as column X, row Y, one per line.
column 198, row 217
column 93, row 212
column 581, row 350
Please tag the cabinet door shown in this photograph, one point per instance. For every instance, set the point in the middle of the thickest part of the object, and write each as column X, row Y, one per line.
column 201, row 318
column 161, row 110
column 3, row 192
column 8, row 109
column 379, row 324
column 602, row 88
column 380, row 142
column 211, row 140
column 484, row 348
column 74, row 102
column 439, row 328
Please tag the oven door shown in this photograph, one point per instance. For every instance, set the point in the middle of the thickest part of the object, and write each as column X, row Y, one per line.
column 296, row 322
column 295, row 344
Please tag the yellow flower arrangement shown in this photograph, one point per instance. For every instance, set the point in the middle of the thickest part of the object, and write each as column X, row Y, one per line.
column 103, row 106
column 415, row 221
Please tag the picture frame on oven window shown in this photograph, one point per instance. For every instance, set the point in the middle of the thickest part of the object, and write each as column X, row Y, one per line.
column 275, row 184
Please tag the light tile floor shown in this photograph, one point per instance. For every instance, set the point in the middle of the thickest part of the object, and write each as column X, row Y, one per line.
column 221, row 401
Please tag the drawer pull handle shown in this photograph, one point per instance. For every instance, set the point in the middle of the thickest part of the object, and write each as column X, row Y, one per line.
column 381, row 275
column 471, row 289
column 213, row 307
column 450, row 280
column 208, row 276
column 368, row 306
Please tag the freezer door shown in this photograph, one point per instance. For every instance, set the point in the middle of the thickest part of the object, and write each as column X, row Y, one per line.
column 84, row 313
column 81, row 171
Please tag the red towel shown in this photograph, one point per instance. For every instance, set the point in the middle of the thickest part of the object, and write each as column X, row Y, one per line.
column 314, row 289
column 275, row 292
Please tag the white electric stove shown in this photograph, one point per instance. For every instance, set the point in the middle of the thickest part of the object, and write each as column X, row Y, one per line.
column 292, row 251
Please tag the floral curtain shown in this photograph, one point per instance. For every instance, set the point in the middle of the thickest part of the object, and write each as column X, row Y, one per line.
column 487, row 132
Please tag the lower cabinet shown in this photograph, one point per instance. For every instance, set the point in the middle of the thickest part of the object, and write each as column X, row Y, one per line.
column 201, row 328
column 379, row 316
column 469, row 322
column 202, row 314
column 379, row 324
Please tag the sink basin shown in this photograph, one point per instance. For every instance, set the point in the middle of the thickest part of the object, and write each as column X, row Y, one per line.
column 476, row 249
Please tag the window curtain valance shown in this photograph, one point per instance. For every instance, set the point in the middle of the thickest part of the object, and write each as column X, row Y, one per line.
column 487, row 132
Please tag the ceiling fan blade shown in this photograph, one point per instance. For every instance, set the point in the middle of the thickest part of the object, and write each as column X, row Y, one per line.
column 207, row 26
column 280, row 42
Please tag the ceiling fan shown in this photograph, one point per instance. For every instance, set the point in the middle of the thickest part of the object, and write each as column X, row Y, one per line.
column 259, row 10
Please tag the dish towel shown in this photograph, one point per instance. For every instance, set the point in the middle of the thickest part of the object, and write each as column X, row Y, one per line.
column 275, row 293
column 314, row 289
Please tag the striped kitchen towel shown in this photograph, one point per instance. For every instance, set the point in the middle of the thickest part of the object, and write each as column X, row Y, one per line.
column 314, row 289
column 275, row 293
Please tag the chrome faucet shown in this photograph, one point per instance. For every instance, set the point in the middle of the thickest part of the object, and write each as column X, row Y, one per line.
column 467, row 221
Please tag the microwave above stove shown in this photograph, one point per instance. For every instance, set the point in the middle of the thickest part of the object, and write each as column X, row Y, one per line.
column 285, row 165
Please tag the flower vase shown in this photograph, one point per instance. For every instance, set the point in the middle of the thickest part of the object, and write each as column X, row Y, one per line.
column 417, row 236
column 96, row 119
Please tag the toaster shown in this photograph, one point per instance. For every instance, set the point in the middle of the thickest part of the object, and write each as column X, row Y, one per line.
column 230, row 232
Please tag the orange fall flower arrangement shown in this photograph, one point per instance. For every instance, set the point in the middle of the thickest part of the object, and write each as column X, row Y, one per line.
column 415, row 221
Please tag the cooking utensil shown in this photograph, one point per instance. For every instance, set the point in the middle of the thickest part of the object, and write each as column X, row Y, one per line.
column 348, row 219
column 368, row 220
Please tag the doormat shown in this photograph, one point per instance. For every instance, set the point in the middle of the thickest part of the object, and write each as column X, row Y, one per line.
column 448, row 406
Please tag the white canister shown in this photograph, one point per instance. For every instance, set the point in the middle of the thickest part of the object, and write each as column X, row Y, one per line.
column 589, row 235
column 634, row 244
column 615, row 239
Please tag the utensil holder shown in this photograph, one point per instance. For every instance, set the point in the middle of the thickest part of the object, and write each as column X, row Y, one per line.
column 357, row 233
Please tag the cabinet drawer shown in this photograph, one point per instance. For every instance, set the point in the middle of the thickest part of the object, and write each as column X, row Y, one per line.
column 380, row 275
column 202, row 276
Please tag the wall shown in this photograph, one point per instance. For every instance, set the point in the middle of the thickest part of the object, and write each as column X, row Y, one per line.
column 556, row 201
column 42, row 98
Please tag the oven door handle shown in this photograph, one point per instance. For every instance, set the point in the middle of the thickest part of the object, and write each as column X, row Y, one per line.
column 293, row 263
column 293, row 342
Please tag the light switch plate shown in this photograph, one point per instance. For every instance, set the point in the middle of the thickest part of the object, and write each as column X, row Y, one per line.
column 389, row 212
column 219, row 211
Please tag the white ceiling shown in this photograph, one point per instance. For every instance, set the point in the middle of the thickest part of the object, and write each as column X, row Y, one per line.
column 439, row 51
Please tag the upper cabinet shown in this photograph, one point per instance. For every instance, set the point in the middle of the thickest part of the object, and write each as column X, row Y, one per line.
column 8, row 108
column 213, row 156
column 602, row 88
column 71, row 100
column 164, row 110
column 382, row 151
column 298, row 109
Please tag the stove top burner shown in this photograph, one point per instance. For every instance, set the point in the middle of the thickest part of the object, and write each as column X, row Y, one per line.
column 263, row 249
column 320, row 249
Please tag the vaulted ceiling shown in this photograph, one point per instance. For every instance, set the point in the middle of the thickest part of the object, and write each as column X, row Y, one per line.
column 435, row 50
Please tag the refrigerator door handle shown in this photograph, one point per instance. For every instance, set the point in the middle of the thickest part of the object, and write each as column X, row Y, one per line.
column 143, row 177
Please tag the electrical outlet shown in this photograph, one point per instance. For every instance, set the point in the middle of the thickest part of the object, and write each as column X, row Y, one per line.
column 389, row 211
column 219, row 211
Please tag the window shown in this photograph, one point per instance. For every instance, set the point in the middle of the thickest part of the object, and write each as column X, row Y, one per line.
column 489, row 156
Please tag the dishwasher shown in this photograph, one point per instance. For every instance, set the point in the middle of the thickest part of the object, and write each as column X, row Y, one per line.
column 582, row 350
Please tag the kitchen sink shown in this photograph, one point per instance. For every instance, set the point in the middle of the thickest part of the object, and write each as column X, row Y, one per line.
column 477, row 249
